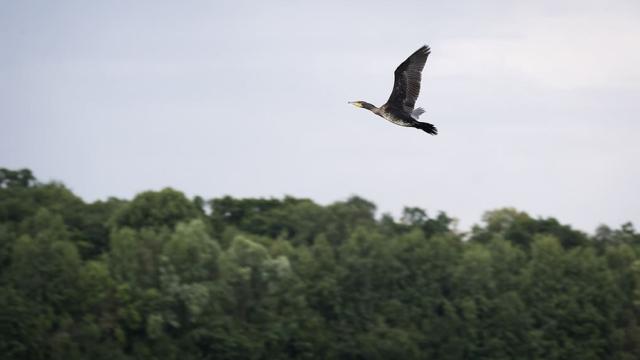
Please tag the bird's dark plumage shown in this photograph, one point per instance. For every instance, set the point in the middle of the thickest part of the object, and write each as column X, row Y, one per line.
column 406, row 85
column 399, row 109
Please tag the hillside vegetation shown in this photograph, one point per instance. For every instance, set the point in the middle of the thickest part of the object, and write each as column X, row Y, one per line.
column 162, row 276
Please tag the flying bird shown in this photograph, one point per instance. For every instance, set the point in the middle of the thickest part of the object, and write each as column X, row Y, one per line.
column 399, row 109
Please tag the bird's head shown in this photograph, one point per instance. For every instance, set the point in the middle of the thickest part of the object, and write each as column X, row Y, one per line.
column 362, row 104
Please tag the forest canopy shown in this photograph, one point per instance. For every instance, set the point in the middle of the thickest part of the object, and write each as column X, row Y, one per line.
column 165, row 276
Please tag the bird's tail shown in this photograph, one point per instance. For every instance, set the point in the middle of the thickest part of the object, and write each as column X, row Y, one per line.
column 426, row 127
column 417, row 112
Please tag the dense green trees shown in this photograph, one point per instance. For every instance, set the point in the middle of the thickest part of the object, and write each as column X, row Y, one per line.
column 167, row 277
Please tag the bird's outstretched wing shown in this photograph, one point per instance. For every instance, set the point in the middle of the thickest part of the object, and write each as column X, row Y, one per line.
column 406, row 86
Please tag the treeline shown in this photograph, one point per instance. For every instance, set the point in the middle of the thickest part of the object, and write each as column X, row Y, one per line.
column 163, row 276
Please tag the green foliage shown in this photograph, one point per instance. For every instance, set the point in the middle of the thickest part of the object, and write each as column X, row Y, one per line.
column 159, row 277
column 16, row 179
column 521, row 229
column 157, row 209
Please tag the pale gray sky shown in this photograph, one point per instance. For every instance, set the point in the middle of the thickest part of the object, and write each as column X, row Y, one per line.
column 536, row 102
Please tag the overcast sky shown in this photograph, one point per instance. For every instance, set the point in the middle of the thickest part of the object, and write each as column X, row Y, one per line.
column 536, row 102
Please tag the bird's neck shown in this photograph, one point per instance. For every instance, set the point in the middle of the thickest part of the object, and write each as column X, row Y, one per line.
column 368, row 106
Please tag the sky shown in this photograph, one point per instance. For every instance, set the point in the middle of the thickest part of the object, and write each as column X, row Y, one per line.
column 536, row 102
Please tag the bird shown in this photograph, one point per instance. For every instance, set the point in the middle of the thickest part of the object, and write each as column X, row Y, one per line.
column 399, row 109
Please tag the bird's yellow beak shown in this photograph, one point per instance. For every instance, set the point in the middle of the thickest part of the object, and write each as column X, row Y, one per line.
column 356, row 103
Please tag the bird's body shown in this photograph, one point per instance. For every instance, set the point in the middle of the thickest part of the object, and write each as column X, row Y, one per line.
column 396, row 116
column 399, row 109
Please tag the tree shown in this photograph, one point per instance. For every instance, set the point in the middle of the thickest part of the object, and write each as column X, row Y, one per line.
column 157, row 209
column 519, row 228
column 16, row 178
column 159, row 277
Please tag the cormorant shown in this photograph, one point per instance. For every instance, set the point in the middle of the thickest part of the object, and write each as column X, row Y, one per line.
column 406, row 88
